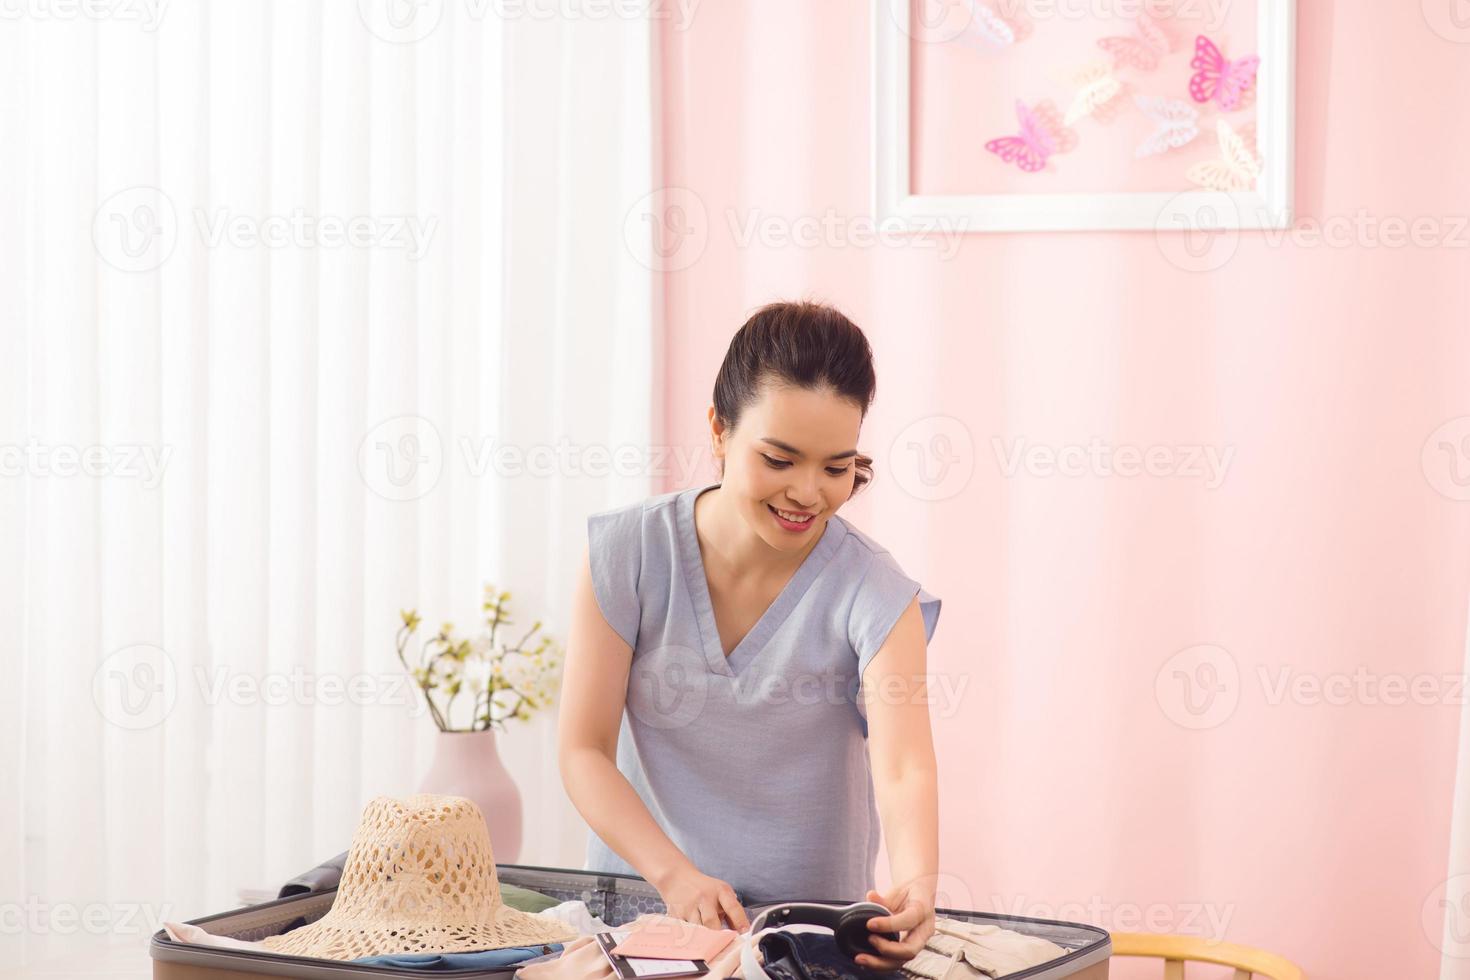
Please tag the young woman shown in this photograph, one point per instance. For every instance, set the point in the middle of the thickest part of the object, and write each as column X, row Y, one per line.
column 743, row 690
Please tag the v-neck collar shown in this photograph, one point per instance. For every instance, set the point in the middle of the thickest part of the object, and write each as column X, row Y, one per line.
column 775, row 614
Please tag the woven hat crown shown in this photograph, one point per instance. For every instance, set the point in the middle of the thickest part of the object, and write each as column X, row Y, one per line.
column 421, row 858
column 419, row 878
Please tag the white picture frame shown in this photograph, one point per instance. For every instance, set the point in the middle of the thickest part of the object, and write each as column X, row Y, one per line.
column 1269, row 206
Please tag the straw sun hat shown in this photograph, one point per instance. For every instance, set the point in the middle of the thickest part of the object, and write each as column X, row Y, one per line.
column 419, row 878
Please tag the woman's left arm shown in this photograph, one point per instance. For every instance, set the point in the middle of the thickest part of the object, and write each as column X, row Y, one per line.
column 906, row 784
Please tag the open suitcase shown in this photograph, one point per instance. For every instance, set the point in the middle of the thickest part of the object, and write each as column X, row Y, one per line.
column 615, row 899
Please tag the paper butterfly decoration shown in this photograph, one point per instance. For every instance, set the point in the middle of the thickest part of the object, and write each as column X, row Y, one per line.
column 986, row 24
column 1176, row 124
column 1142, row 51
column 1217, row 77
column 1237, row 169
column 1097, row 96
column 1042, row 134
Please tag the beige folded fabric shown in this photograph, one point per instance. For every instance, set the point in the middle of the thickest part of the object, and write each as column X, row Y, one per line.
column 182, row 932
column 970, row 951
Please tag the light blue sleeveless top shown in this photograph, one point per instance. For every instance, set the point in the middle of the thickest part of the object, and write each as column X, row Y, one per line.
column 756, row 766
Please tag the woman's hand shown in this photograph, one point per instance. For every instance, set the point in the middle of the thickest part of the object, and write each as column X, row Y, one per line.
column 912, row 919
column 695, row 897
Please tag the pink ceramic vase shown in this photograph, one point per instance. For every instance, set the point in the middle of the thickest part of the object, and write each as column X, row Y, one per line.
column 467, row 764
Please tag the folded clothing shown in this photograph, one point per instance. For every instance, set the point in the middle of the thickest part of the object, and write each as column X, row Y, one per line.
column 583, row 959
column 461, row 961
column 323, row 877
column 525, row 899
column 577, row 915
column 961, row 950
column 791, row 955
column 183, row 932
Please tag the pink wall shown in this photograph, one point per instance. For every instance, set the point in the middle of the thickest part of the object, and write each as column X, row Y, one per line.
column 1318, row 830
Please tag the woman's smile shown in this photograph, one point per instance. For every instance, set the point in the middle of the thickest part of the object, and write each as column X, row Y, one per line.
column 795, row 521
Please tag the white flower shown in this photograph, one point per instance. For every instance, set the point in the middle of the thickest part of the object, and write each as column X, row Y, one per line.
column 477, row 672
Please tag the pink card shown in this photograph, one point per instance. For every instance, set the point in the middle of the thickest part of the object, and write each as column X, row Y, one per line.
column 673, row 939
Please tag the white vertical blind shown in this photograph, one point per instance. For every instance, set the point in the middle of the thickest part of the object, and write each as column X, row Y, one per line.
column 167, row 731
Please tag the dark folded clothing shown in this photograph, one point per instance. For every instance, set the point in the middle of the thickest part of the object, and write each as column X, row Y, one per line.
column 324, row 877
column 813, row 956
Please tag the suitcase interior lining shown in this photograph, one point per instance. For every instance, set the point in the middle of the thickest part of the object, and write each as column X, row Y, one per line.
column 614, row 900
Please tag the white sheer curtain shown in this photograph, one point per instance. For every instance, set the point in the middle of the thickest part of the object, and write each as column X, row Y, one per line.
column 261, row 263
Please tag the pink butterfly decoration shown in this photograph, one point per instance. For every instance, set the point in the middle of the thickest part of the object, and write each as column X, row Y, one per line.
column 1144, row 50
column 1042, row 134
column 1218, row 78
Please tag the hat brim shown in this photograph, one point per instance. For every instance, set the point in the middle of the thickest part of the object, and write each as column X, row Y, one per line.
column 345, row 940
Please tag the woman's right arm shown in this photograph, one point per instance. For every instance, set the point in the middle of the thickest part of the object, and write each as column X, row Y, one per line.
column 593, row 694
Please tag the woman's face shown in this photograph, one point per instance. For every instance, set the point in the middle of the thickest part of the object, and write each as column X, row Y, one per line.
column 793, row 451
